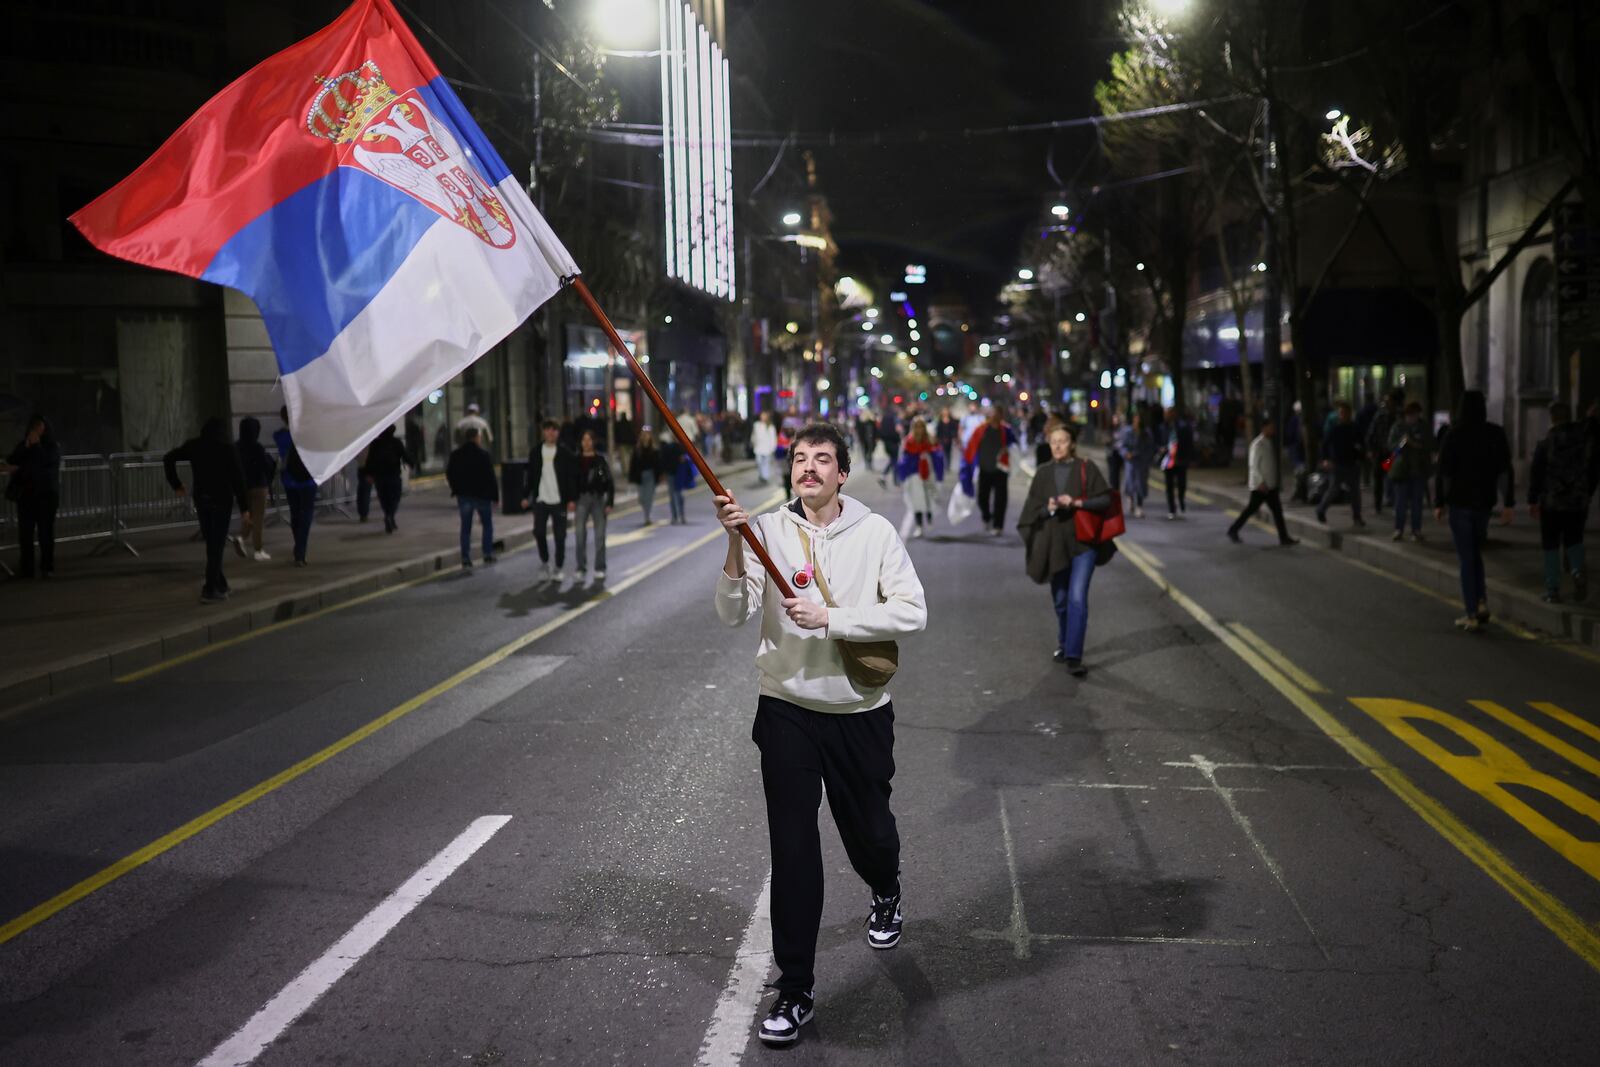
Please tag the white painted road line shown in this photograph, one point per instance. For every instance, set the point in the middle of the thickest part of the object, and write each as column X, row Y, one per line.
column 729, row 1031
column 295, row 998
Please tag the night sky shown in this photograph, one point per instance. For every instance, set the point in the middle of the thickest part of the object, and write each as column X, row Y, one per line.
column 960, row 204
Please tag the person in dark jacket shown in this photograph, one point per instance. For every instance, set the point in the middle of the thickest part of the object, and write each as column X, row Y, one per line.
column 1566, row 466
column 298, row 486
column 1379, row 430
column 1474, row 466
column 678, row 472
column 1175, row 442
column 596, row 497
column 644, row 469
column 1341, row 458
column 1409, row 451
column 387, row 457
column 1054, row 553
column 258, row 468
column 218, row 486
column 552, row 485
column 35, row 487
column 470, row 474
column 416, row 444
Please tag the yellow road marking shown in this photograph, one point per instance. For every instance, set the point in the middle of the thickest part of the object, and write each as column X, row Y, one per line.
column 1199, row 498
column 1567, row 719
column 1278, row 659
column 134, row 860
column 1135, row 552
column 270, row 628
column 1556, row 916
column 1527, row 729
column 1488, row 771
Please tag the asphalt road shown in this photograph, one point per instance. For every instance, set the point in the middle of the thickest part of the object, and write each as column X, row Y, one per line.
column 481, row 821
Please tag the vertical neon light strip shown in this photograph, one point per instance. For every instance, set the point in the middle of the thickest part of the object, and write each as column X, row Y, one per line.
column 668, row 192
column 727, row 180
column 708, row 176
column 719, row 272
column 680, row 158
column 691, row 100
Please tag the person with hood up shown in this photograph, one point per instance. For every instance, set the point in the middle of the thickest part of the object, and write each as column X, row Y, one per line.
column 820, row 722
column 218, row 486
column 387, row 457
column 1566, row 468
column 258, row 468
column 35, row 487
column 298, row 486
column 1474, row 466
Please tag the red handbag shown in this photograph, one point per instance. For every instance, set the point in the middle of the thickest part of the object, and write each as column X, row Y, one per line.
column 1097, row 527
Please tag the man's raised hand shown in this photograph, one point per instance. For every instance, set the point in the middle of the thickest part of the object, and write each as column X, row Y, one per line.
column 731, row 515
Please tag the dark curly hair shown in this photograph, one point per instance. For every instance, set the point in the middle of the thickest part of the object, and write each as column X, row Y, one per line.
column 817, row 433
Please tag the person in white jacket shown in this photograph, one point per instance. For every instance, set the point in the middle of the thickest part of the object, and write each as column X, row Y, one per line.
column 814, row 725
column 764, row 443
column 1264, row 485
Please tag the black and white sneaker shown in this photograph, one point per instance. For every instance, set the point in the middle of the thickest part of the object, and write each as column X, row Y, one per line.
column 884, row 922
column 789, row 1013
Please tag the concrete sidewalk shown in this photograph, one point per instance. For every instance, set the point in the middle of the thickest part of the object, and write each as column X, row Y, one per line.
column 106, row 614
column 1513, row 561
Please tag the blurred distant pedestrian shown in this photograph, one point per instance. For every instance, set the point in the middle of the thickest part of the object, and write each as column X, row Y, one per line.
column 1342, row 452
column 946, row 432
column 889, row 437
column 363, row 487
column 921, row 466
column 673, row 461
column 1566, row 468
column 1115, row 463
column 1175, row 439
column 552, row 485
column 387, row 457
column 474, row 420
column 218, row 488
column 764, row 443
column 470, row 474
column 298, row 486
column 1409, row 453
column 1474, row 467
column 988, row 452
column 1137, row 446
column 1265, row 484
column 644, row 468
column 596, row 496
column 1048, row 526
column 258, row 468
column 416, row 444
column 34, row 487
column 1376, row 440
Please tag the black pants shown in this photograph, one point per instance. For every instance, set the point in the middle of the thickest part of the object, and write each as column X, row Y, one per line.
column 853, row 755
column 1114, row 464
column 1378, row 478
column 302, row 509
column 36, row 516
column 1177, row 479
column 992, row 489
column 214, row 523
column 388, row 497
column 542, row 514
column 1269, row 497
column 363, row 496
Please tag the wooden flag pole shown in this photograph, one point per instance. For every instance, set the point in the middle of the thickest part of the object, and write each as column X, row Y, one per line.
column 671, row 421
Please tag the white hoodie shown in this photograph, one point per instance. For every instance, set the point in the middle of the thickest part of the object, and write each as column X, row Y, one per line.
column 871, row 579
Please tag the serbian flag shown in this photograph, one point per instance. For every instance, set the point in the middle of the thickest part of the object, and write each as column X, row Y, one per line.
column 343, row 186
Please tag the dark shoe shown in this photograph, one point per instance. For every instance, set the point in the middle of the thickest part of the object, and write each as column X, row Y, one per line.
column 884, row 922
column 1360, row 525
column 1233, row 535
column 299, row 563
column 1286, row 542
column 210, row 596
column 789, row 1013
column 1059, row 655
column 1322, row 518
column 1076, row 668
column 491, row 559
column 466, row 564
column 1551, row 596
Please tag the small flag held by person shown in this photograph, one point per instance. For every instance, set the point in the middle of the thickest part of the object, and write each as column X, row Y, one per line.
column 344, row 187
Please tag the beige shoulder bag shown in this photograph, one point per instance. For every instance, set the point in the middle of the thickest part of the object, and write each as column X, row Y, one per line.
column 869, row 664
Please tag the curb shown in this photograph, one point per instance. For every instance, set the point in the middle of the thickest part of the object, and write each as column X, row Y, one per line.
column 100, row 667
column 1511, row 604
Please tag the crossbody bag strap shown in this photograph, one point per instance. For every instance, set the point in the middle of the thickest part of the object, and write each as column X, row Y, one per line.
column 822, row 583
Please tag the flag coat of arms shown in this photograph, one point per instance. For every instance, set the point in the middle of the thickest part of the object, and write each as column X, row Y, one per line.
column 344, row 187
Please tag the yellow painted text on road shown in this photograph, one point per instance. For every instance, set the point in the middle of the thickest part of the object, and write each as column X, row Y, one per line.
column 1489, row 771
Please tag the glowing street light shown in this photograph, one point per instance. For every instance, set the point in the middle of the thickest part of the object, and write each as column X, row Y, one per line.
column 872, row 313
column 1139, row 265
column 866, row 327
column 822, row 384
column 625, row 24
column 1002, row 342
column 1060, row 211
column 792, row 219
column 887, row 338
column 1079, row 317
column 915, row 350
column 792, row 327
column 1025, row 274
column 1333, row 114
column 949, row 371
column 1170, row 8
column 983, row 350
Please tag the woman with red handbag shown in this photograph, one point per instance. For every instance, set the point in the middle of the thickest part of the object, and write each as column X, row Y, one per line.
column 1067, row 523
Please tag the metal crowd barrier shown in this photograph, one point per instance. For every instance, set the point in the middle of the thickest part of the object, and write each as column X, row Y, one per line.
column 112, row 498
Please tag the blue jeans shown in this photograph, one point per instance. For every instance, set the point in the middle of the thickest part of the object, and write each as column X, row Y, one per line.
column 485, row 511
column 1070, row 589
column 1469, row 528
column 1408, row 494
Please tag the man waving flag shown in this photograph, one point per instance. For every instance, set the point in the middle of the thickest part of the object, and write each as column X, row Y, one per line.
column 344, row 187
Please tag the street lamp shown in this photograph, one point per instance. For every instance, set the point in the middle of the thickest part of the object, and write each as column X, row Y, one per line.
column 1025, row 274
column 1333, row 114
column 1169, row 7
column 624, row 24
column 1060, row 211
column 792, row 219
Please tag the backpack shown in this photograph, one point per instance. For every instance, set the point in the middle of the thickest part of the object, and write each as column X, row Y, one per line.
column 1566, row 469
